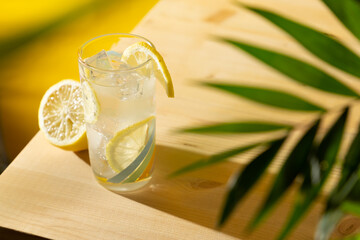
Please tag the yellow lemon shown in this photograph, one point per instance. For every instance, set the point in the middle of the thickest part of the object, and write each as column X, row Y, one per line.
column 127, row 144
column 61, row 116
column 140, row 52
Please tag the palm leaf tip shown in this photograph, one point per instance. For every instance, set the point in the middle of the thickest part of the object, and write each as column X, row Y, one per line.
column 217, row 158
column 347, row 11
column 246, row 179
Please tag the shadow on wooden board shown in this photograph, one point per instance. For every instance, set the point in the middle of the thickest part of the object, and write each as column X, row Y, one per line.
column 8, row 234
column 199, row 195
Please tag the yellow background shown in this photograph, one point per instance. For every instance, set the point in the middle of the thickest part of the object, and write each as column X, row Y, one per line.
column 28, row 72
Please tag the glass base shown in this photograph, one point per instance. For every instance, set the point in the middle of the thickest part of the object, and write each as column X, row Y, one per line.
column 125, row 187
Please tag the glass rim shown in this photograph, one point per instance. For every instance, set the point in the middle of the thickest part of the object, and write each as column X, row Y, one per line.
column 82, row 61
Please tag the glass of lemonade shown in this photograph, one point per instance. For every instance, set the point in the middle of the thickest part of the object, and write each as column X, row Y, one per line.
column 119, row 103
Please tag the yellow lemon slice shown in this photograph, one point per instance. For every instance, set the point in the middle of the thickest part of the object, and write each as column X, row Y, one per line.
column 91, row 103
column 61, row 116
column 140, row 52
column 127, row 144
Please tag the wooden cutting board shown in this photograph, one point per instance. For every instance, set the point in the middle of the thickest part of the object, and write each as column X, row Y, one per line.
column 52, row 193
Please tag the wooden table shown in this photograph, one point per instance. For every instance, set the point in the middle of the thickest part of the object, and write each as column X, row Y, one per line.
column 52, row 193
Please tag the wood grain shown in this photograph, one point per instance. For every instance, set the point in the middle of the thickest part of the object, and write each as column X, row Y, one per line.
column 52, row 193
column 186, row 41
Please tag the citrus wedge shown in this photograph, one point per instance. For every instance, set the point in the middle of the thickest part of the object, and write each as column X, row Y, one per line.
column 140, row 52
column 127, row 144
column 61, row 116
column 91, row 103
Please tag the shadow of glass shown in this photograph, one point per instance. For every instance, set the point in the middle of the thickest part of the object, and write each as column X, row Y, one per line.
column 84, row 155
column 198, row 196
column 195, row 196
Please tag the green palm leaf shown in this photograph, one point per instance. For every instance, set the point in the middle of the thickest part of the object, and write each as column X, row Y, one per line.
column 354, row 237
column 324, row 47
column 312, row 161
column 270, row 97
column 325, row 157
column 349, row 175
column 351, row 207
column 347, row 182
column 347, row 11
column 293, row 165
column 217, row 158
column 299, row 71
column 239, row 127
column 345, row 196
column 354, row 195
column 244, row 181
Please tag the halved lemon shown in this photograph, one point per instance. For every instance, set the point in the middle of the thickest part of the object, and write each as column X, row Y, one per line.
column 139, row 52
column 127, row 144
column 61, row 116
column 91, row 103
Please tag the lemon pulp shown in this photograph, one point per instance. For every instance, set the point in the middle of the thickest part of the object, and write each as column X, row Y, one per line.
column 127, row 144
column 61, row 116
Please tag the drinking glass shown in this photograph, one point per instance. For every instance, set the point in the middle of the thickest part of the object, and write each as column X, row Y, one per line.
column 119, row 102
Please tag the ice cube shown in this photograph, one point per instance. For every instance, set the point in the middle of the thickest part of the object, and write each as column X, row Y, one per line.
column 97, row 139
column 97, row 146
column 100, row 60
column 113, row 55
column 116, row 62
column 126, row 81
column 129, row 84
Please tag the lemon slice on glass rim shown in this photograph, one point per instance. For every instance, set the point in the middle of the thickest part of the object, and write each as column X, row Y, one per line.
column 140, row 52
column 61, row 116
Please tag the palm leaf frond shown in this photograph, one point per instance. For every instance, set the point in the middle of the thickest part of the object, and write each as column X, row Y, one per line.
column 347, row 11
column 324, row 158
column 246, row 179
column 239, row 127
column 213, row 159
column 294, row 164
column 296, row 69
column 318, row 43
column 270, row 97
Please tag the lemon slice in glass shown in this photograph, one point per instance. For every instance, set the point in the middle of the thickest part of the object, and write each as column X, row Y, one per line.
column 61, row 116
column 139, row 52
column 91, row 103
column 127, row 145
